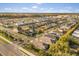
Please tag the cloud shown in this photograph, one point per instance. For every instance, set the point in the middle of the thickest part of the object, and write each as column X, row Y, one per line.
column 51, row 8
column 34, row 7
column 76, row 10
column 68, row 7
column 42, row 8
column 65, row 11
column 39, row 3
column 7, row 8
column 37, row 8
column 24, row 8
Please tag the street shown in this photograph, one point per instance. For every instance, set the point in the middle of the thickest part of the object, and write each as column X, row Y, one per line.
column 9, row 50
column 12, row 49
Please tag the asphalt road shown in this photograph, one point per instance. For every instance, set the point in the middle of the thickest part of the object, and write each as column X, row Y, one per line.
column 9, row 50
column 12, row 49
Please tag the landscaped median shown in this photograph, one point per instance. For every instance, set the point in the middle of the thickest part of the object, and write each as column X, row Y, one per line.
column 3, row 34
column 69, row 32
column 61, row 47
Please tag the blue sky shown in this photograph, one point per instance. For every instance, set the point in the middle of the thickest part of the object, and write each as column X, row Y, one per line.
column 40, row 7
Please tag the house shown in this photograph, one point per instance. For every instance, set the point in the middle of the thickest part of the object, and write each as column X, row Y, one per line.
column 43, row 42
column 76, row 33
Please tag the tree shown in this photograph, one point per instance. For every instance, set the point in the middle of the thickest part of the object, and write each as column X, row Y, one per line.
column 61, row 47
column 43, row 53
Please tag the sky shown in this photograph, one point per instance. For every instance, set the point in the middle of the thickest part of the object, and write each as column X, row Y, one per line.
column 39, row 7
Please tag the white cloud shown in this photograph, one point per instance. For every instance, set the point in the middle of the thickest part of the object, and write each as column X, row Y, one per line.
column 51, row 8
column 24, row 8
column 68, row 7
column 7, row 8
column 64, row 11
column 76, row 11
column 10, row 10
column 34, row 7
column 39, row 3
column 42, row 8
column 37, row 8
